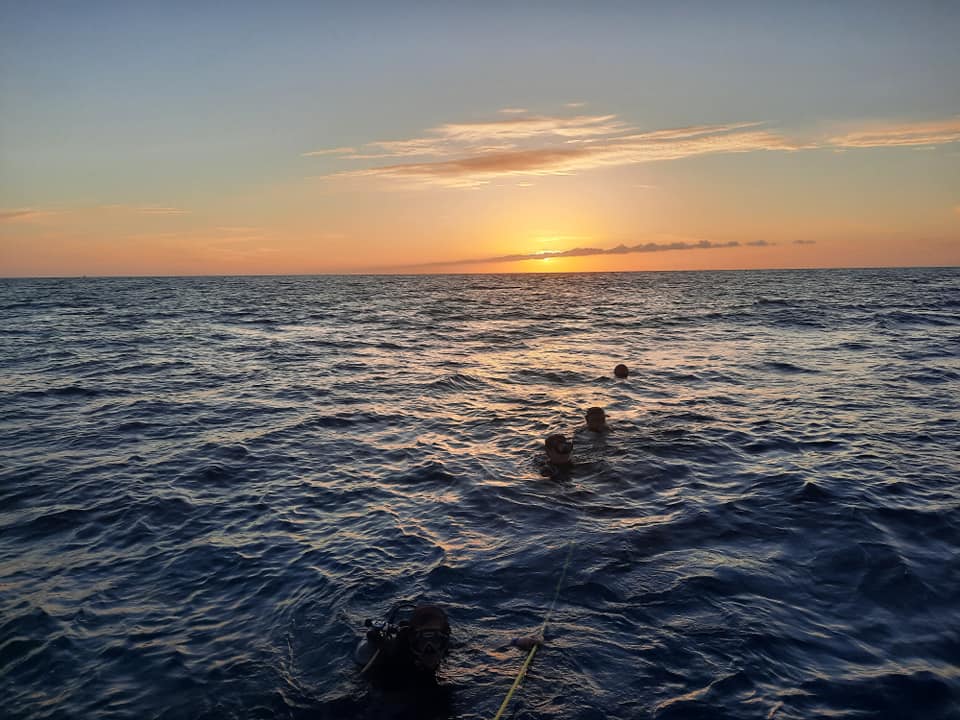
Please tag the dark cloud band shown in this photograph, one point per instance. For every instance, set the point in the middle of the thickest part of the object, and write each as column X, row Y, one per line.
column 649, row 247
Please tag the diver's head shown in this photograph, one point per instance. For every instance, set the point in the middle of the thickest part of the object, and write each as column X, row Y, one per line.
column 621, row 371
column 429, row 636
column 558, row 449
column 596, row 419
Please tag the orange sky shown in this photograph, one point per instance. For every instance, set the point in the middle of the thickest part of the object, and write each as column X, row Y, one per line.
column 467, row 150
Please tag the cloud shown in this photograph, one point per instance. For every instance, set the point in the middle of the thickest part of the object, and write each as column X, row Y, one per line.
column 154, row 210
column 472, row 154
column 331, row 151
column 21, row 215
column 901, row 134
column 414, row 147
column 804, row 242
column 498, row 135
column 648, row 247
column 564, row 159
column 141, row 209
column 759, row 243
column 532, row 162
column 85, row 213
column 532, row 126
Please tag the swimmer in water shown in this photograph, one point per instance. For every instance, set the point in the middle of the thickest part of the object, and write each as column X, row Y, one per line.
column 558, row 450
column 621, row 371
column 597, row 420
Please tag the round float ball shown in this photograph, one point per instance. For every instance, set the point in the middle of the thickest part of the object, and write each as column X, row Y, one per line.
column 621, row 371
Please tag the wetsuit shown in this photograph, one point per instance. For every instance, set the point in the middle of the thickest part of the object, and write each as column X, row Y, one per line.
column 401, row 689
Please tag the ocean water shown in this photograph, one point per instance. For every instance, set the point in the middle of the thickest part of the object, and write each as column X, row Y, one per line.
column 208, row 484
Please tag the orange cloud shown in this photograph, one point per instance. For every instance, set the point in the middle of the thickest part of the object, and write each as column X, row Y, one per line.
column 452, row 139
column 470, row 154
column 532, row 126
column 901, row 134
column 477, row 169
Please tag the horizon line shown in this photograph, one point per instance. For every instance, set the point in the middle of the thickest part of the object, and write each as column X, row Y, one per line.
column 363, row 273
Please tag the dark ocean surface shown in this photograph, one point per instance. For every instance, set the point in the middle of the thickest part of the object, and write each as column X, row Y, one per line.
column 208, row 484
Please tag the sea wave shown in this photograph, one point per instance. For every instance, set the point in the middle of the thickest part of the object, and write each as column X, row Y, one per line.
column 207, row 484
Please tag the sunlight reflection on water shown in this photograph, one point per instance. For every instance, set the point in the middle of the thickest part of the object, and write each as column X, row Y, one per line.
column 199, row 512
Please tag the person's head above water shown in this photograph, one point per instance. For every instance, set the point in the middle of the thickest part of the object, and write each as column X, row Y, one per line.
column 621, row 371
column 428, row 636
column 558, row 449
column 596, row 420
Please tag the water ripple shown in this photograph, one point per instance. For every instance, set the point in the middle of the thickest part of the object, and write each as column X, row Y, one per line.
column 207, row 484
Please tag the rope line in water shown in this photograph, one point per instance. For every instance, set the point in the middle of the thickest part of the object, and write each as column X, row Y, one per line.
column 517, row 681
column 543, row 631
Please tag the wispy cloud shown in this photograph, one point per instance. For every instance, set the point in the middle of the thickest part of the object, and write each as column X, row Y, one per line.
column 471, row 154
column 22, row 215
column 901, row 134
column 532, row 126
column 648, row 247
column 414, row 147
column 143, row 209
column 565, row 159
column 476, row 168
column 153, row 210
column 330, row 151
column 86, row 213
column 500, row 135
column 804, row 242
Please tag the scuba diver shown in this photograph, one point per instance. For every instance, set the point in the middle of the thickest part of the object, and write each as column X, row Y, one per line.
column 401, row 656
column 404, row 651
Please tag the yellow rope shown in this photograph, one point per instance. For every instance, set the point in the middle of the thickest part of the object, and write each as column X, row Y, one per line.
column 543, row 631
column 517, row 681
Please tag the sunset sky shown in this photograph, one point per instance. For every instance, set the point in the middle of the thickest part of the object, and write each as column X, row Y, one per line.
column 235, row 138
